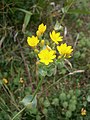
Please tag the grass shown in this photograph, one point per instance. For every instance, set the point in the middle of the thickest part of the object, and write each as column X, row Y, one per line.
column 17, row 61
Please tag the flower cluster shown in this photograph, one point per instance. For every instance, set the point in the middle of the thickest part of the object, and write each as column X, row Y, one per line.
column 46, row 54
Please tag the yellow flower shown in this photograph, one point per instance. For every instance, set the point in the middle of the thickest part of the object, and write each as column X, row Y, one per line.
column 32, row 41
column 56, row 36
column 41, row 29
column 83, row 111
column 65, row 50
column 5, row 80
column 46, row 56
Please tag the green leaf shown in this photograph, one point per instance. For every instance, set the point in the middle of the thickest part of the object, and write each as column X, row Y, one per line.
column 38, row 117
column 85, row 103
column 46, row 103
column 50, row 72
column 0, row 82
column 88, row 98
column 78, row 11
column 57, row 26
column 65, row 104
column 78, row 92
column 55, row 102
column 62, row 96
column 68, row 114
column 42, row 72
column 27, row 17
column 27, row 102
column 72, row 107
column 41, row 3
column 26, row 21
column 45, row 111
column 28, row 33
column 23, row 10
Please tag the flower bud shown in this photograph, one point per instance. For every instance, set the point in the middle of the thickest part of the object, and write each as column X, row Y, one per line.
column 5, row 80
column 42, row 43
column 36, row 50
column 38, row 33
column 21, row 80
column 48, row 48
column 83, row 112
column 38, row 62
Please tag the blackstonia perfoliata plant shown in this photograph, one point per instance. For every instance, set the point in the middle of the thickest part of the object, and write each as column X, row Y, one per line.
column 46, row 54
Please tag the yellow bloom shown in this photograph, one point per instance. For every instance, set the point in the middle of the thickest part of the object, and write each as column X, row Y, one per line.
column 32, row 41
column 5, row 80
column 83, row 111
column 41, row 29
column 65, row 50
column 56, row 36
column 46, row 56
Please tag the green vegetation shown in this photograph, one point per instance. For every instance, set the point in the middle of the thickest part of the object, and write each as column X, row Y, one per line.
column 30, row 89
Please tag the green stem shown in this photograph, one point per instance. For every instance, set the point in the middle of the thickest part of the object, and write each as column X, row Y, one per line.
column 19, row 113
column 39, row 85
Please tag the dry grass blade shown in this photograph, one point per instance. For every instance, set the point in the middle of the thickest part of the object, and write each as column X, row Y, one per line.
column 77, row 71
